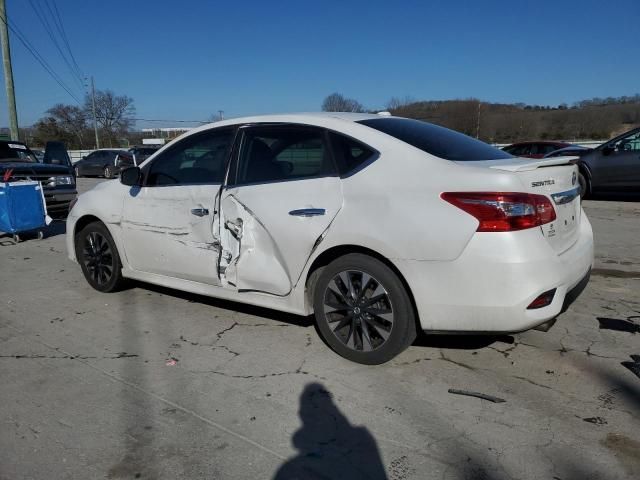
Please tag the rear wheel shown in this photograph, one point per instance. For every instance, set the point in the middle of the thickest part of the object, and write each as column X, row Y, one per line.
column 108, row 172
column 583, row 181
column 363, row 310
column 98, row 257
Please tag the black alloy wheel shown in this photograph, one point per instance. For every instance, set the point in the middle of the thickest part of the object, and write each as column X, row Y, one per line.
column 98, row 257
column 363, row 310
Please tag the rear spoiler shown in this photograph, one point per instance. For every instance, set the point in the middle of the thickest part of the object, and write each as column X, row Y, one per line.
column 520, row 164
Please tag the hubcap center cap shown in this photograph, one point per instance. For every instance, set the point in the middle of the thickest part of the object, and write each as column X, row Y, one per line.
column 356, row 310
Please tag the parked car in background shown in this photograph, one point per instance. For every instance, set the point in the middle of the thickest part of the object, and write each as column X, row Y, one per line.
column 534, row 149
column 58, row 181
column 106, row 162
column 380, row 226
column 613, row 166
column 140, row 154
column 572, row 151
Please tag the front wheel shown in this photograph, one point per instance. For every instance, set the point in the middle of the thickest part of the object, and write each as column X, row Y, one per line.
column 77, row 170
column 363, row 310
column 98, row 257
column 108, row 172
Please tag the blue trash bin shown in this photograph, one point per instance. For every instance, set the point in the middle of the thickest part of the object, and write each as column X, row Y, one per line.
column 22, row 208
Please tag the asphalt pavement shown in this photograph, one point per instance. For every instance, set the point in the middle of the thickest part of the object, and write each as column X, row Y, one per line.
column 153, row 383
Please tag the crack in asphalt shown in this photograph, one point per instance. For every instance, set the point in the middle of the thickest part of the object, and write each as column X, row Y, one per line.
column 72, row 357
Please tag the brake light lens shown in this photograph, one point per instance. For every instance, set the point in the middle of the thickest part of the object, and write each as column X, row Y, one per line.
column 503, row 211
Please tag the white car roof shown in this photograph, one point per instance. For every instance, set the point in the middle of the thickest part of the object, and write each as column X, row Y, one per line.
column 303, row 117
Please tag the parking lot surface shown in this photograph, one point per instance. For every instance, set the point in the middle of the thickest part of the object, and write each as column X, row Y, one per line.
column 155, row 383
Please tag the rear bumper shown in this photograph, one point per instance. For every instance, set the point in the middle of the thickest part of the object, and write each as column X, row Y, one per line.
column 489, row 287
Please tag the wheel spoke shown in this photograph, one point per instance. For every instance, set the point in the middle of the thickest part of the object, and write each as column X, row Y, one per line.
column 375, row 298
column 366, row 337
column 367, row 280
column 339, row 292
column 333, row 307
column 379, row 329
column 343, row 323
column 346, row 280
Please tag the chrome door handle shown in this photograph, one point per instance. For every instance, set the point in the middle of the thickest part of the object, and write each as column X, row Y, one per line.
column 199, row 212
column 308, row 212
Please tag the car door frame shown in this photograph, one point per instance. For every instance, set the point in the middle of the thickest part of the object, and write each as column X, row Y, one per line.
column 231, row 183
column 213, row 280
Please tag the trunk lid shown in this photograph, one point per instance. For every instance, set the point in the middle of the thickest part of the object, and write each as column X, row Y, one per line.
column 556, row 178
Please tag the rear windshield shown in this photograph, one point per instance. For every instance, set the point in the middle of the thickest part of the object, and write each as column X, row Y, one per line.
column 16, row 152
column 438, row 141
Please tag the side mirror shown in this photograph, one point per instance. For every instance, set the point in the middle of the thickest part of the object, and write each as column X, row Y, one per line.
column 83, row 157
column 607, row 149
column 132, row 177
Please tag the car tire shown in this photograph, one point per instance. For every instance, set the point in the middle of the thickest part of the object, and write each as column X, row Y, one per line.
column 585, row 186
column 108, row 172
column 355, row 328
column 99, row 259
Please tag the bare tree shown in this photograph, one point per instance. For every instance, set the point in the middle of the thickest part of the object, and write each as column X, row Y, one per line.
column 395, row 103
column 70, row 119
column 114, row 113
column 338, row 103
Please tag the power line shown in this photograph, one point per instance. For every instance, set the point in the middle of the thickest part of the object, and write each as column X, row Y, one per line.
column 47, row 27
column 20, row 36
column 63, row 35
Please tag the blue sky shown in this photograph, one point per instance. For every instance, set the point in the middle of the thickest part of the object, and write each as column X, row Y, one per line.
column 186, row 60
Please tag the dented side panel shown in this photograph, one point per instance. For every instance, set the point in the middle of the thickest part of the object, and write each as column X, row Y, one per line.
column 275, row 243
column 162, row 235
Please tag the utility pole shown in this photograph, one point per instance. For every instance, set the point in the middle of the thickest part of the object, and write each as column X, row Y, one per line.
column 93, row 102
column 8, row 73
column 221, row 114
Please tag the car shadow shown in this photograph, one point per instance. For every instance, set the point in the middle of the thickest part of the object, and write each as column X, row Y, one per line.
column 460, row 342
column 244, row 308
column 453, row 342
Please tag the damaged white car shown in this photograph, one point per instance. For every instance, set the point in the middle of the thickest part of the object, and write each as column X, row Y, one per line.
column 380, row 226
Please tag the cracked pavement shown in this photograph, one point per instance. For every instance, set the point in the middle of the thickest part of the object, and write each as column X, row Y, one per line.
column 88, row 392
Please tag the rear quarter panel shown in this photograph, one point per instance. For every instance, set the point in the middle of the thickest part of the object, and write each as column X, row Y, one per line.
column 393, row 206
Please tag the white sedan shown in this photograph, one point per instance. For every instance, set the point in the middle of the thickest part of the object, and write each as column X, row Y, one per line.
column 377, row 225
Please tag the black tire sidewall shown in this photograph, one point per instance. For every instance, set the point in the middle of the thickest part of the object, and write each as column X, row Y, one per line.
column 116, row 281
column 583, row 180
column 404, row 328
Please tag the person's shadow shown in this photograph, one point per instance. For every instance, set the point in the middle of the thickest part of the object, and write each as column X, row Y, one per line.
column 329, row 446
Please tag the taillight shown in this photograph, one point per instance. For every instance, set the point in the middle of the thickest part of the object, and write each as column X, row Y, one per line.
column 503, row 212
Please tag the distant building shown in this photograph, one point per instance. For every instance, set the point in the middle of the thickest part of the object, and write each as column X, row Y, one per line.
column 160, row 136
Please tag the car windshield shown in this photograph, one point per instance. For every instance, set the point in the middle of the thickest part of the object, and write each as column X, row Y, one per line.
column 435, row 140
column 16, row 152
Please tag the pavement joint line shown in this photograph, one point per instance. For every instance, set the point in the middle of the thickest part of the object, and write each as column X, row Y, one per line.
column 204, row 419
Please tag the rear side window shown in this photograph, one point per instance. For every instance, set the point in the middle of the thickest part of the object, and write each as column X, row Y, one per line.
column 435, row 140
column 272, row 154
column 350, row 155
